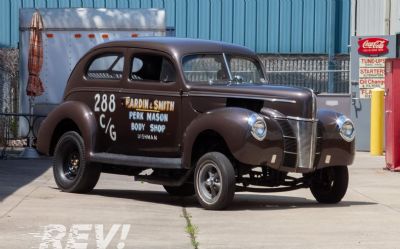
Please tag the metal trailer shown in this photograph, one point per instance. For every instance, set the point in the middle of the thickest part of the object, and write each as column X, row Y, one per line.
column 68, row 34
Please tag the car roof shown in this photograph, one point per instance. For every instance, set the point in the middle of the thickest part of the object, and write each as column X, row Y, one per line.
column 178, row 46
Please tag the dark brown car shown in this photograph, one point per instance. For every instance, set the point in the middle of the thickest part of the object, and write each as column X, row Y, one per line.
column 197, row 117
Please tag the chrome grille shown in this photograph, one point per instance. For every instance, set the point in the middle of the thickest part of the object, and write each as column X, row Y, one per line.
column 302, row 139
column 300, row 142
column 306, row 133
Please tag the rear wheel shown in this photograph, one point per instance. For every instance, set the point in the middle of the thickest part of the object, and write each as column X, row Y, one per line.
column 214, row 181
column 71, row 171
column 329, row 185
column 187, row 189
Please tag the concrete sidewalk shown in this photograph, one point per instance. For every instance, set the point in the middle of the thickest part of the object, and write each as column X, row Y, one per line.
column 368, row 217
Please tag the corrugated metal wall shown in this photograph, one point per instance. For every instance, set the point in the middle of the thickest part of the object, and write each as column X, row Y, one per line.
column 267, row 26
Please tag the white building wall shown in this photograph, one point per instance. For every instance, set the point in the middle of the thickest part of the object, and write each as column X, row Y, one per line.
column 375, row 17
column 395, row 17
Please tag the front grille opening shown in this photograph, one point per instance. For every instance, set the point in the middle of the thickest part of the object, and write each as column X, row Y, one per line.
column 289, row 144
column 286, row 128
column 290, row 160
column 318, row 145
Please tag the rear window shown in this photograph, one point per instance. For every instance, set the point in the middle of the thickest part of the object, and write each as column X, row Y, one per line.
column 107, row 67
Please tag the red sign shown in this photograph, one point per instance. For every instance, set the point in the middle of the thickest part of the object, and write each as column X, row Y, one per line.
column 373, row 46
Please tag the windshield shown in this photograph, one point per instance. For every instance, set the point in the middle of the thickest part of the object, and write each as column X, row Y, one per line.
column 222, row 69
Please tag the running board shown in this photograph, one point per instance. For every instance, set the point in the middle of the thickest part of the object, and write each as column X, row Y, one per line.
column 165, row 180
column 137, row 161
column 270, row 190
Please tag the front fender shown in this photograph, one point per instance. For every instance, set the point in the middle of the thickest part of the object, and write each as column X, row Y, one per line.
column 333, row 145
column 75, row 111
column 232, row 124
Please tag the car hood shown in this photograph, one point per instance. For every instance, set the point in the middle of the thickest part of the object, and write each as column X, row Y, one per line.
column 290, row 101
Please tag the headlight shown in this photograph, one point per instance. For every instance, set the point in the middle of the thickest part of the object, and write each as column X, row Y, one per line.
column 258, row 126
column 346, row 128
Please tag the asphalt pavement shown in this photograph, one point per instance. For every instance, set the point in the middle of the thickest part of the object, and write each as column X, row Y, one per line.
column 121, row 213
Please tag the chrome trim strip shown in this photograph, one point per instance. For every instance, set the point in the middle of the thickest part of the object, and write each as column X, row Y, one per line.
column 289, row 137
column 227, row 66
column 124, row 91
column 223, row 95
column 314, row 104
column 289, row 152
column 301, row 119
column 313, row 144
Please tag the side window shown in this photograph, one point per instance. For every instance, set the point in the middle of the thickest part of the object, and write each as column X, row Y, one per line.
column 108, row 67
column 205, row 68
column 246, row 69
column 148, row 67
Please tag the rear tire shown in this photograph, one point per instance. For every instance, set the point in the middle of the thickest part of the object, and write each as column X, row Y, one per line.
column 329, row 185
column 71, row 171
column 187, row 189
column 214, row 181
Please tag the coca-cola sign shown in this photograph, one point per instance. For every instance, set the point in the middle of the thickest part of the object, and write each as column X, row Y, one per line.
column 373, row 46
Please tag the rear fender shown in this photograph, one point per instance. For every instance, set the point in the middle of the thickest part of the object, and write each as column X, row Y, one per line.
column 82, row 117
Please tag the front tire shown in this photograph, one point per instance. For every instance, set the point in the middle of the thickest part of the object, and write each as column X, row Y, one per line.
column 71, row 171
column 329, row 185
column 214, row 181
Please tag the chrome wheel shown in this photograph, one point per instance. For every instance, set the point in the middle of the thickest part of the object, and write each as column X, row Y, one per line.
column 209, row 178
column 71, row 165
column 214, row 181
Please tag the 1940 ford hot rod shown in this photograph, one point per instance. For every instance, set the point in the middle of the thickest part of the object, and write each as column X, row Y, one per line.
column 197, row 117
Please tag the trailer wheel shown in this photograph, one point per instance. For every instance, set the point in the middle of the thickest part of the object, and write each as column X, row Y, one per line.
column 214, row 181
column 187, row 189
column 329, row 185
column 71, row 171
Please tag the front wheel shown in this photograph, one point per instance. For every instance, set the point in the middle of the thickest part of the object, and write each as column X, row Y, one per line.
column 329, row 185
column 71, row 171
column 214, row 181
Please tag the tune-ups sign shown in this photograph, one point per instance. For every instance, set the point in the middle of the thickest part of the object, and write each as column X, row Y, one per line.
column 373, row 46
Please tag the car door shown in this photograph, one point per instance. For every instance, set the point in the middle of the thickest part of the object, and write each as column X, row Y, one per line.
column 151, row 103
column 102, row 83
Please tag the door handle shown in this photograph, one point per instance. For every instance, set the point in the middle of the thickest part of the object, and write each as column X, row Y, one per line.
column 357, row 107
column 353, row 100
